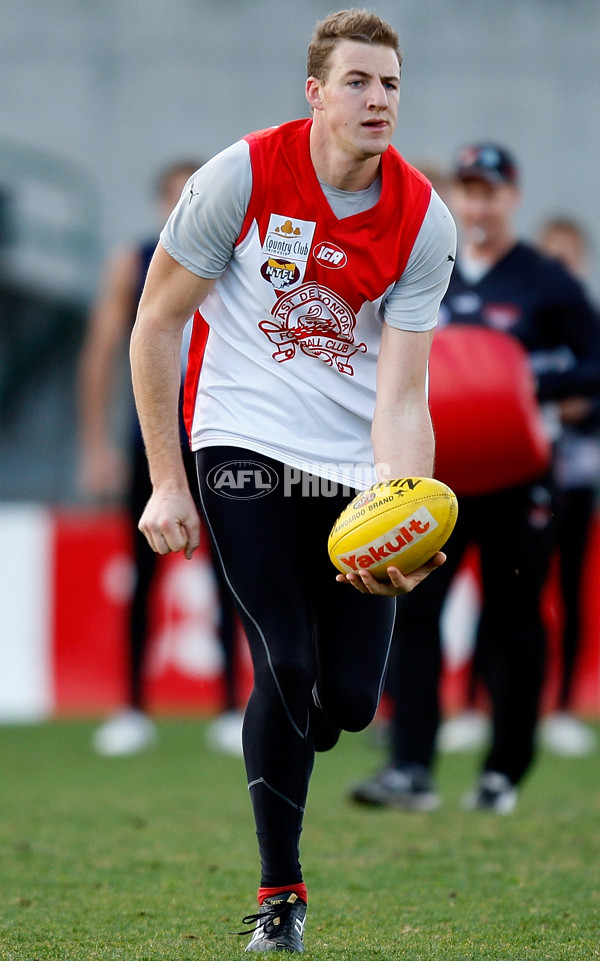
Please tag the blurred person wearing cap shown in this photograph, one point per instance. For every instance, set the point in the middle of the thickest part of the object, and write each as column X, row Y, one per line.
column 500, row 284
column 576, row 477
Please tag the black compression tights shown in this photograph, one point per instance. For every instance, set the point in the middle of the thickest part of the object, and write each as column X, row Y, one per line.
column 302, row 627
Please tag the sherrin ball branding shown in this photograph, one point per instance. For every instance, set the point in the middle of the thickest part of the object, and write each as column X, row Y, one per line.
column 400, row 523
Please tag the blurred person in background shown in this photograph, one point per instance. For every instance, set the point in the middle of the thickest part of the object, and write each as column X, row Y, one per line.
column 505, row 285
column 577, row 475
column 107, row 473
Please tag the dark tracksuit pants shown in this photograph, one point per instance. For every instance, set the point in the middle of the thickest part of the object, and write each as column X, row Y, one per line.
column 514, row 532
column 304, row 629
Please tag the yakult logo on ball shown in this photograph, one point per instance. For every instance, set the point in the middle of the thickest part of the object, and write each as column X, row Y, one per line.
column 242, row 480
column 410, row 532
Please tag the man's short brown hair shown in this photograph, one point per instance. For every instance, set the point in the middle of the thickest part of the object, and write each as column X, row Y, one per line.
column 354, row 24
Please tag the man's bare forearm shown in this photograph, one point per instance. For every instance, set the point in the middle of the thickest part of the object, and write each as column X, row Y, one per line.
column 170, row 297
column 156, row 376
column 403, row 442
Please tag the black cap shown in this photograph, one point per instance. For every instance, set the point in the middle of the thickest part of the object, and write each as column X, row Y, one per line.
column 486, row 161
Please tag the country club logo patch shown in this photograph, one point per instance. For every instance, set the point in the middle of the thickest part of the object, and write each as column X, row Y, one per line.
column 287, row 248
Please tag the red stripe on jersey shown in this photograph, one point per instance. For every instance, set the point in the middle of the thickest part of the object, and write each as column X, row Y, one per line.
column 200, row 330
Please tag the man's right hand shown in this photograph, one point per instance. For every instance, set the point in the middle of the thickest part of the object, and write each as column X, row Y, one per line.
column 171, row 523
column 397, row 583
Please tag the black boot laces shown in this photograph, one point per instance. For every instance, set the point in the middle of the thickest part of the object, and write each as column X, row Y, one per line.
column 269, row 920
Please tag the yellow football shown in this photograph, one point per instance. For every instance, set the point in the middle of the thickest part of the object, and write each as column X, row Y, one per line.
column 400, row 523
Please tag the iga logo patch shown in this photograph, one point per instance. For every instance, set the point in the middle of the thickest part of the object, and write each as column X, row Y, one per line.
column 330, row 255
column 318, row 322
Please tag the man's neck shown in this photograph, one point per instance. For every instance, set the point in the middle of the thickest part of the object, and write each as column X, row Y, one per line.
column 340, row 170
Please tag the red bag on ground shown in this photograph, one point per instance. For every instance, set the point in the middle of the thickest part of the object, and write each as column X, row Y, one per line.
column 489, row 429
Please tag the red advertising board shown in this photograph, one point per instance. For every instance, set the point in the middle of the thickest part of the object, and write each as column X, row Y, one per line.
column 93, row 576
column 92, row 580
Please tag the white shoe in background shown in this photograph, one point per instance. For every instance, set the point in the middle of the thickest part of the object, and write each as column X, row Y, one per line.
column 410, row 788
column 562, row 733
column 224, row 734
column 128, row 732
column 493, row 792
column 467, row 731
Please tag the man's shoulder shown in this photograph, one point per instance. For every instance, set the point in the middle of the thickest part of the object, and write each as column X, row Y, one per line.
column 406, row 189
column 548, row 277
column 283, row 132
column 546, row 269
column 409, row 169
column 526, row 254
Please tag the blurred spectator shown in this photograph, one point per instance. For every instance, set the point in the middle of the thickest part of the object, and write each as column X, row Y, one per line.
column 108, row 473
column 566, row 240
column 577, row 474
column 502, row 285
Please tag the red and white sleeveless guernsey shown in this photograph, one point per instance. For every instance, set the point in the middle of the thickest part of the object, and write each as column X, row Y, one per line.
column 295, row 319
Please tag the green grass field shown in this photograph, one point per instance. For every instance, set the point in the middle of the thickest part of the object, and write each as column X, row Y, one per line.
column 153, row 858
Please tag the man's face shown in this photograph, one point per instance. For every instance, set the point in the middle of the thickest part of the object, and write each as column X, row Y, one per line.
column 484, row 211
column 359, row 100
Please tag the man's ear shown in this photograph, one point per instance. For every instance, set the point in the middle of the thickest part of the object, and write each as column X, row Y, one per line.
column 313, row 93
